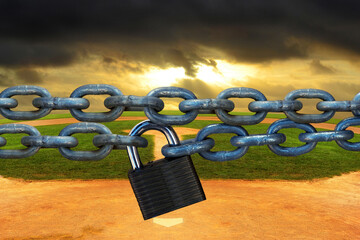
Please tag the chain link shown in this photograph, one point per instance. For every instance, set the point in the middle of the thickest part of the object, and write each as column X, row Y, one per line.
column 309, row 118
column 258, row 140
column 327, row 136
column 291, row 151
column 85, row 127
column 134, row 101
column 221, row 156
column 343, row 125
column 188, row 147
column 96, row 89
column 57, row 103
column 50, row 141
column 152, row 104
column 241, row 93
column 275, row 106
column 119, row 141
column 18, row 128
column 171, row 92
column 206, row 104
column 24, row 90
column 106, row 141
column 8, row 103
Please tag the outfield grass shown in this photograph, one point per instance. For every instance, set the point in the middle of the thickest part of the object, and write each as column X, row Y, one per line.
column 326, row 160
column 167, row 112
column 137, row 113
column 66, row 115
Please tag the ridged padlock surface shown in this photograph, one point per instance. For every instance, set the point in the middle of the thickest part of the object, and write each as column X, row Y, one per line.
column 165, row 185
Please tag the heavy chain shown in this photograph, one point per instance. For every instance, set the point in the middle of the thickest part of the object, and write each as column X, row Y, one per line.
column 152, row 104
column 106, row 141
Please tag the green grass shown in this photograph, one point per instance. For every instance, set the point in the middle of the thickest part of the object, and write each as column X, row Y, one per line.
column 138, row 113
column 326, row 160
column 66, row 115
column 167, row 112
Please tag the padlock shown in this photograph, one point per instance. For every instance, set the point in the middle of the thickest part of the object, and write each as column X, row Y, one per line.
column 163, row 185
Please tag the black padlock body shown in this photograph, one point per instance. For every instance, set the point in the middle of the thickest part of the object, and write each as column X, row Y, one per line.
column 166, row 185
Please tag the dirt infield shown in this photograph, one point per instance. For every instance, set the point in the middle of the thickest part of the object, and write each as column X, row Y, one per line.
column 234, row 209
column 322, row 209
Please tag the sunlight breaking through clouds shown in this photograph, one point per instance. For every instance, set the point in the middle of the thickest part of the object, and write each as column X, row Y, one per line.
column 223, row 74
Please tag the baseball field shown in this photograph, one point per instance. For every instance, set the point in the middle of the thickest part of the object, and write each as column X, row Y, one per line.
column 260, row 196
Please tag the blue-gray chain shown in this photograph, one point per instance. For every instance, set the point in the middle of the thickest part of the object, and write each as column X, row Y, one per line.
column 152, row 104
column 106, row 141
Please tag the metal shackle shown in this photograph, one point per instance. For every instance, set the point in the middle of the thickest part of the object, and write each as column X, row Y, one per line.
column 142, row 127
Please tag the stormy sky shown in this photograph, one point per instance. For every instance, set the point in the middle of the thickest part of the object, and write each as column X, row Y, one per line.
column 206, row 46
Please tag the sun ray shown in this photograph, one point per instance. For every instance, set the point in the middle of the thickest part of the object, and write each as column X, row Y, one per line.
column 225, row 72
column 157, row 77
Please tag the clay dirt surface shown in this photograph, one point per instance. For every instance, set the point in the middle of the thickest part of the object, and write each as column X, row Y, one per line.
column 234, row 209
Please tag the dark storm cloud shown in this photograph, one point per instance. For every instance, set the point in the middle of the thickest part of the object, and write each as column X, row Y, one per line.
column 199, row 87
column 109, row 60
column 29, row 76
column 178, row 59
column 316, row 67
column 29, row 54
column 48, row 33
column 272, row 91
column 113, row 65
column 341, row 90
column 4, row 80
column 20, row 76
